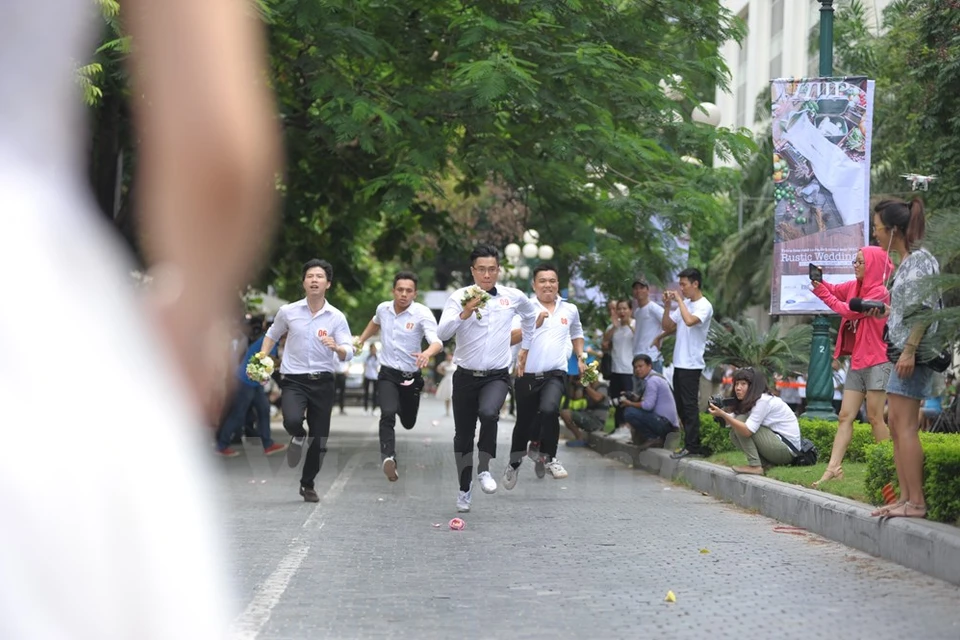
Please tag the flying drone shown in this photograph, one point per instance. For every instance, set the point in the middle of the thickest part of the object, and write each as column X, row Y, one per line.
column 916, row 180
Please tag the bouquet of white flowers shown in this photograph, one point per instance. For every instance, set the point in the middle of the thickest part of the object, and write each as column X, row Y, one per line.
column 591, row 373
column 476, row 292
column 260, row 367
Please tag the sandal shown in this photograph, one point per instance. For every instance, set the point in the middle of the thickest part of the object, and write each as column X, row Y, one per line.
column 829, row 474
column 882, row 511
column 903, row 511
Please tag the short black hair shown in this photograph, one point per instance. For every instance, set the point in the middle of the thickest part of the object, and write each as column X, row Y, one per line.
column 484, row 251
column 406, row 275
column 647, row 360
column 317, row 262
column 693, row 275
column 544, row 266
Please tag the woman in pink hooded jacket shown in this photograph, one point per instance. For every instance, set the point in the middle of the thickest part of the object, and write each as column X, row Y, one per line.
column 861, row 337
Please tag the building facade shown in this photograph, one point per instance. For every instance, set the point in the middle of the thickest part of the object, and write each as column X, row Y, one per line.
column 777, row 45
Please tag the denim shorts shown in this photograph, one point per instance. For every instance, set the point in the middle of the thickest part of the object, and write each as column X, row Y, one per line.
column 919, row 386
column 873, row 378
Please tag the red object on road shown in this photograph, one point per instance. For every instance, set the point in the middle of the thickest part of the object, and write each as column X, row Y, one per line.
column 457, row 524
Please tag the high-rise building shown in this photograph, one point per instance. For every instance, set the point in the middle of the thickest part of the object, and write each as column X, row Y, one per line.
column 777, row 45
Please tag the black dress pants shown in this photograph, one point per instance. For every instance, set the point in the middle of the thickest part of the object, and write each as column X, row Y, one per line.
column 686, row 393
column 399, row 396
column 538, row 414
column 301, row 397
column 476, row 396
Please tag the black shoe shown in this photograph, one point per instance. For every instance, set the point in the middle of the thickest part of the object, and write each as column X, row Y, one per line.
column 683, row 453
column 539, row 467
column 294, row 452
column 309, row 495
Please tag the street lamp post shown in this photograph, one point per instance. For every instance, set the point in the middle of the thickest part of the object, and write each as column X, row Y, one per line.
column 820, row 372
column 518, row 256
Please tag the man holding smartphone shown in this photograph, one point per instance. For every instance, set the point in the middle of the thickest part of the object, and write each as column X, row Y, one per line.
column 691, row 322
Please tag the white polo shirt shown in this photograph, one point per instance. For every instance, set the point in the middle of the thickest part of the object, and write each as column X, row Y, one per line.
column 401, row 335
column 647, row 326
column 692, row 341
column 484, row 344
column 551, row 344
column 305, row 353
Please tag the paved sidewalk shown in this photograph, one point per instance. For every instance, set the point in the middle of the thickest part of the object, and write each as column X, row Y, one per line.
column 932, row 548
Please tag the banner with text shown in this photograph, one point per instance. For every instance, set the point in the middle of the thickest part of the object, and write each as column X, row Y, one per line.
column 821, row 174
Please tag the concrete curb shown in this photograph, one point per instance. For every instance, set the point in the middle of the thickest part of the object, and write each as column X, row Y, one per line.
column 932, row 548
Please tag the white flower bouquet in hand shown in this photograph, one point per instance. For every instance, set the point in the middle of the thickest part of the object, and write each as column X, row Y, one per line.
column 260, row 367
column 591, row 373
column 476, row 292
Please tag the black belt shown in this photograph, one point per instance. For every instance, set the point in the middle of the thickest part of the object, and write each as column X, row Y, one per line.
column 319, row 375
column 406, row 375
column 483, row 374
column 554, row 373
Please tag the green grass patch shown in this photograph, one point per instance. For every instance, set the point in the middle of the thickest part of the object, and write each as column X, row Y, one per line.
column 852, row 486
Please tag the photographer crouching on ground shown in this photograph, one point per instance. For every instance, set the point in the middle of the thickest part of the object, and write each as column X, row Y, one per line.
column 651, row 413
column 761, row 425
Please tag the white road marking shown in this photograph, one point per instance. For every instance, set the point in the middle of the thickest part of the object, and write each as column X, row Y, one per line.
column 248, row 624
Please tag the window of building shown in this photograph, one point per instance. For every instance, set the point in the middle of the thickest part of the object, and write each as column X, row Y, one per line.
column 742, row 74
column 813, row 39
column 776, row 38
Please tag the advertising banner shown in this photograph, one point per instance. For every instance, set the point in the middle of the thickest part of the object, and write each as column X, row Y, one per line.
column 821, row 174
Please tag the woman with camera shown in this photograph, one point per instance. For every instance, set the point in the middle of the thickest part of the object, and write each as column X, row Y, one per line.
column 861, row 337
column 760, row 425
column 901, row 227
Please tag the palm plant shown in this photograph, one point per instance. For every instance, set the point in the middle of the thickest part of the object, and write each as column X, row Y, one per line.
column 742, row 344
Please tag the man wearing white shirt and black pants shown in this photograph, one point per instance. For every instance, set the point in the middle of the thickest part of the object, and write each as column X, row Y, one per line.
column 691, row 322
column 647, row 318
column 318, row 339
column 541, row 386
column 403, row 324
column 482, row 357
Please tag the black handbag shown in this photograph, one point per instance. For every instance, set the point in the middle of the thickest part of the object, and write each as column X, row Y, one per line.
column 939, row 362
column 804, row 457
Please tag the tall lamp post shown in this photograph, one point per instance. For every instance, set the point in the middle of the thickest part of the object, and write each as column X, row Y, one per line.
column 820, row 373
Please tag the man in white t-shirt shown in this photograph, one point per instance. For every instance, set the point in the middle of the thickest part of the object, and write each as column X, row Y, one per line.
column 618, row 342
column 647, row 319
column 691, row 322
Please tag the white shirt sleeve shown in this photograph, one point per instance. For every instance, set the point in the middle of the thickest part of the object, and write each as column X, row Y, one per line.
column 450, row 319
column 430, row 327
column 279, row 327
column 343, row 337
column 758, row 414
column 528, row 320
column 576, row 328
column 702, row 311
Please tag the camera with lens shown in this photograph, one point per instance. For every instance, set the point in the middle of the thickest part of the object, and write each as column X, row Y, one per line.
column 862, row 306
column 724, row 403
column 632, row 397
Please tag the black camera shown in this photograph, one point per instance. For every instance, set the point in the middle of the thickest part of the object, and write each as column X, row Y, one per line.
column 632, row 397
column 724, row 403
column 862, row 306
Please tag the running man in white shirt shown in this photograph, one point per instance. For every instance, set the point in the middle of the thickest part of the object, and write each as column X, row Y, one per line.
column 691, row 322
column 482, row 357
column 318, row 340
column 541, row 386
column 403, row 324
column 647, row 319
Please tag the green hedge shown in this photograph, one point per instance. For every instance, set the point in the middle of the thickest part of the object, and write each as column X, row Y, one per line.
column 941, row 474
column 820, row 432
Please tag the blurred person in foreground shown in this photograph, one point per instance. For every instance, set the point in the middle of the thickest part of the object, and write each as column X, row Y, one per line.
column 115, row 536
column 861, row 337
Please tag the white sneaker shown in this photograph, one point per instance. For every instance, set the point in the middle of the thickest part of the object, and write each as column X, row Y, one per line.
column 390, row 469
column 487, row 483
column 556, row 469
column 510, row 476
column 622, row 434
column 463, row 500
